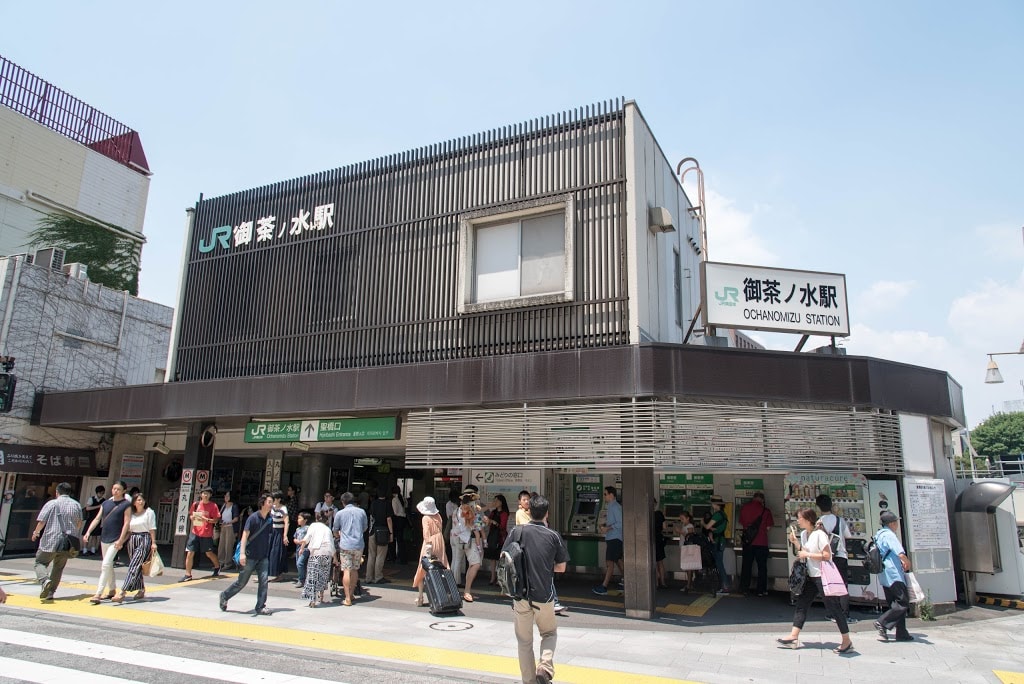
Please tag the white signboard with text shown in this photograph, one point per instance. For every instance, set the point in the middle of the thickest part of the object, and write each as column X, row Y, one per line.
column 774, row 299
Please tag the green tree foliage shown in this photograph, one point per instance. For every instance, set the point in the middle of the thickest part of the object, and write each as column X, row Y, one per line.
column 999, row 435
column 113, row 261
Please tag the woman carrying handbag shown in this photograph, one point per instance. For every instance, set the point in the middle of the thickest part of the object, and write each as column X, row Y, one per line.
column 813, row 547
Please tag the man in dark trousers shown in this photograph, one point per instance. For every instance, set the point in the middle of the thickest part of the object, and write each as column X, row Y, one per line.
column 254, row 556
column 59, row 516
column 545, row 554
column 893, row 578
column 754, row 512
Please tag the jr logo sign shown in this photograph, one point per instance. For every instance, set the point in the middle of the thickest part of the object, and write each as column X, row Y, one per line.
column 221, row 235
column 729, row 296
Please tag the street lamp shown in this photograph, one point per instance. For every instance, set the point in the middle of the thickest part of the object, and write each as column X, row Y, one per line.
column 992, row 374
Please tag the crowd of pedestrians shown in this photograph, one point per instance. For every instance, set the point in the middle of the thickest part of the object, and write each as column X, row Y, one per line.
column 333, row 541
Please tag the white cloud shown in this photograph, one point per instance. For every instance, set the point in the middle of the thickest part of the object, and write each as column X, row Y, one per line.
column 990, row 316
column 883, row 295
column 731, row 234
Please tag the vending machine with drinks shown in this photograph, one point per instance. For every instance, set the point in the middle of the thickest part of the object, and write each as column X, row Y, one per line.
column 858, row 501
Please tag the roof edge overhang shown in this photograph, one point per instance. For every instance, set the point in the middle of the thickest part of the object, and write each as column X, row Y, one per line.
column 647, row 370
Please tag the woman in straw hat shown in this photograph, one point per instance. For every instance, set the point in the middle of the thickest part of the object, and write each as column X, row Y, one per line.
column 433, row 542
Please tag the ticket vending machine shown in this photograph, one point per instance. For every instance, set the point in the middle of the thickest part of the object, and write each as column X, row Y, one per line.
column 584, row 516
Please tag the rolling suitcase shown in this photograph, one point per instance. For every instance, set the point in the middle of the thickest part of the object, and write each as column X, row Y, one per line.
column 439, row 585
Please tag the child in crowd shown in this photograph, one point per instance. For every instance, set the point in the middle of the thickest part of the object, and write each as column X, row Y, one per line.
column 301, row 557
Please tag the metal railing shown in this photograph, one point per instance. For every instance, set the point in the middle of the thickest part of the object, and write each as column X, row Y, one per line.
column 49, row 106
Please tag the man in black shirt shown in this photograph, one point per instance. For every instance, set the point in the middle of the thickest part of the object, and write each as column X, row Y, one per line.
column 254, row 556
column 544, row 554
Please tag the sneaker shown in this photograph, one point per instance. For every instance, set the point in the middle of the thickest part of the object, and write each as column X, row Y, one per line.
column 543, row 677
column 216, row 572
column 851, row 620
column 722, row 592
column 186, row 578
column 763, row 593
column 298, row 583
column 622, row 583
column 560, row 609
column 831, row 618
column 882, row 632
column 264, row 611
column 223, row 603
column 600, row 590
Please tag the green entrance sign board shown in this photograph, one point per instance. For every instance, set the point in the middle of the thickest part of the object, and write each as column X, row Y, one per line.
column 327, row 430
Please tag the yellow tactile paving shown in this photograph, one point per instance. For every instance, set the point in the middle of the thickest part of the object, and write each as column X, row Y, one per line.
column 499, row 665
column 1009, row 677
column 699, row 606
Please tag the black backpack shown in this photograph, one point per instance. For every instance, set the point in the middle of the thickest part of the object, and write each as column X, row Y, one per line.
column 512, row 575
column 873, row 558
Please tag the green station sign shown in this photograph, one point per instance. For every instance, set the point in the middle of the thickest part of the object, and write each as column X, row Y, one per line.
column 321, row 430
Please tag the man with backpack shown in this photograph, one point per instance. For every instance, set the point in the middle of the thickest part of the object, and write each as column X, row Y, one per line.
column 838, row 531
column 893, row 578
column 541, row 553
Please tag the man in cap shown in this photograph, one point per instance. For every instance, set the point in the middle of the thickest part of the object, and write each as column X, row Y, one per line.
column 895, row 566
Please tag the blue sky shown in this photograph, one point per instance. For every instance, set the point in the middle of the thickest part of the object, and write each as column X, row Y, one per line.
column 877, row 139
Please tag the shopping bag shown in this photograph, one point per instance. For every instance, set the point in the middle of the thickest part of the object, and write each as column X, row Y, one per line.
column 832, row 580
column 914, row 589
column 689, row 557
column 154, row 567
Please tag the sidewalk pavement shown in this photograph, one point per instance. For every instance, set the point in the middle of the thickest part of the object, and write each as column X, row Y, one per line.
column 694, row 638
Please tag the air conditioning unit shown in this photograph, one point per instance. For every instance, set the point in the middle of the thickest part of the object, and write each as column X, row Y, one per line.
column 77, row 271
column 27, row 258
column 51, row 257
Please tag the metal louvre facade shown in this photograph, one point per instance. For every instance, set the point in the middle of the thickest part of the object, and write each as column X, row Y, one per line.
column 658, row 434
column 358, row 267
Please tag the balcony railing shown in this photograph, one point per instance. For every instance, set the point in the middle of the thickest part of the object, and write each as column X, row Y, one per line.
column 48, row 105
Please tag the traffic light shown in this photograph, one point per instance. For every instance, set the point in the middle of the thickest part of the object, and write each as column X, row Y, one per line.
column 8, row 381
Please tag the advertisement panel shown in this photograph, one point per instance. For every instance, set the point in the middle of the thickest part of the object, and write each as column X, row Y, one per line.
column 774, row 299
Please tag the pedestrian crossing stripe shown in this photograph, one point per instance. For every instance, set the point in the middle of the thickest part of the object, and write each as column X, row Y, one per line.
column 361, row 647
column 128, row 656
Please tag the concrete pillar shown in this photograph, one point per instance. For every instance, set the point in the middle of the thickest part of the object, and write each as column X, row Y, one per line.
column 272, row 473
column 198, row 456
column 638, row 544
column 314, row 479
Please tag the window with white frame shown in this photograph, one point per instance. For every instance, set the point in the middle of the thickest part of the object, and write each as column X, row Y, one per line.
column 516, row 256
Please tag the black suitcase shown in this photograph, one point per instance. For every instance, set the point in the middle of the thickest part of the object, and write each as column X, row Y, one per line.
column 439, row 585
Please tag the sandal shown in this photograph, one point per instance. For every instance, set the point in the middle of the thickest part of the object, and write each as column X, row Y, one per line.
column 468, row 598
column 140, row 595
column 110, row 596
column 96, row 600
column 118, row 599
column 793, row 642
column 841, row 650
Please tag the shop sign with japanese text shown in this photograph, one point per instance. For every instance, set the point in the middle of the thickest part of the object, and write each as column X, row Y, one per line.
column 44, row 460
column 776, row 299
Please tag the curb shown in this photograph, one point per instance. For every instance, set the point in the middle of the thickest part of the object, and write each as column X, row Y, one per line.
column 1004, row 603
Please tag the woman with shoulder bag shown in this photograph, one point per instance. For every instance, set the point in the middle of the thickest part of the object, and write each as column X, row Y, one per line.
column 140, row 533
column 813, row 548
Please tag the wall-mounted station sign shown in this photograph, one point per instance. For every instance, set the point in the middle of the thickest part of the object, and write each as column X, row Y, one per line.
column 322, row 430
column 775, row 299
